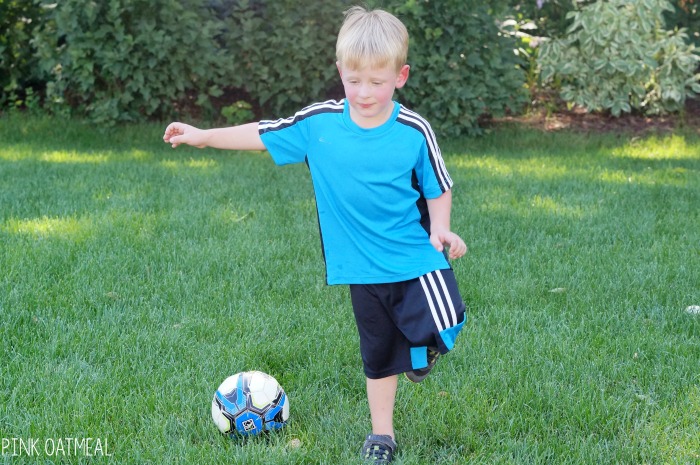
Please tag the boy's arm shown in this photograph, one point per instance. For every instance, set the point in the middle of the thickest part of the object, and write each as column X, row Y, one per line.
column 243, row 137
column 440, row 234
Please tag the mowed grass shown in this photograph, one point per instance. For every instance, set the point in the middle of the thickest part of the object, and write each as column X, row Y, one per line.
column 134, row 278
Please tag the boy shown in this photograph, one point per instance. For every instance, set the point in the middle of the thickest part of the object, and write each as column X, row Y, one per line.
column 383, row 199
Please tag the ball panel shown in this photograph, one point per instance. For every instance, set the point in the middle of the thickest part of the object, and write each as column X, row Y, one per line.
column 285, row 407
column 220, row 420
column 249, row 423
column 232, row 403
column 263, row 389
column 248, row 403
column 230, row 383
column 277, row 416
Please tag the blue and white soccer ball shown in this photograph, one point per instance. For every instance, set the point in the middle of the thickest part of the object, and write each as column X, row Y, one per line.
column 249, row 403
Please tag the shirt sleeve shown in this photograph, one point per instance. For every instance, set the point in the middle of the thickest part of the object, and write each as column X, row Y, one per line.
column 287, row 139
column 431, row 171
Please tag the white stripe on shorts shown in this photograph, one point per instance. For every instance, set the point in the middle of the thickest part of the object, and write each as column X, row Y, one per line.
column 440, row 303
column 436, row 300
column 450, row 304
column 429, row 298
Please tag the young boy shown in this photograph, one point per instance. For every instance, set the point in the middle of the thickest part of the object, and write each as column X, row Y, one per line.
column 383, row 199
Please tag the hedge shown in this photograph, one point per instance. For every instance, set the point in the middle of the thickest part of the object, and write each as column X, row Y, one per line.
column 131, row 60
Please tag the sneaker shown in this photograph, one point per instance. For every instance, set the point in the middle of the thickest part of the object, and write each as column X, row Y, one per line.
column 419, row 375
column 378, row 449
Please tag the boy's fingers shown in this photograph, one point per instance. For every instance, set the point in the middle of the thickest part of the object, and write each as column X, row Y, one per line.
column 173, row 130
column 457, row 248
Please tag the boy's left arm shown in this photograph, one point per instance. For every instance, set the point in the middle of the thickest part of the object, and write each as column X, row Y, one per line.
column 440, row 234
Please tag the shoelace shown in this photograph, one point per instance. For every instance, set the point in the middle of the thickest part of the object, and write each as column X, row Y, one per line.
column 376, row 452
column 432, row 355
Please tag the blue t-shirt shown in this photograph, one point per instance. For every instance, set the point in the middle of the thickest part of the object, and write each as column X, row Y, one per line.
column 370, row 186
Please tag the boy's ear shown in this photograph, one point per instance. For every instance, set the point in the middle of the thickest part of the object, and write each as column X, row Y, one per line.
column 402, row 76
column 340, row 71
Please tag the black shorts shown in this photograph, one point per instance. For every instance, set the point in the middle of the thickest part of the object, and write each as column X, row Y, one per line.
column 397, row 322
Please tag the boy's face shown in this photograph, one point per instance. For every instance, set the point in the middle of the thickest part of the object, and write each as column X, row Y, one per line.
column 370, row 91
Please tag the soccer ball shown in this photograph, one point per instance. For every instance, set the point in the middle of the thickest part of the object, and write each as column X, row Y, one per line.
column 249, row 403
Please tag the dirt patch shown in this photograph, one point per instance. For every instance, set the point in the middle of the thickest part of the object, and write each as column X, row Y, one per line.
column 579, row 119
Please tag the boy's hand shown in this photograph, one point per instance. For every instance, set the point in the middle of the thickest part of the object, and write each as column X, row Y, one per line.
column 181, row 133
column 440, row 239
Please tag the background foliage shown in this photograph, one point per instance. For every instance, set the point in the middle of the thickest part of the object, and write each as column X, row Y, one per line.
column 617, row 56
column 464, row 65
column 135, row 60
column 17, row 61
column 686, row 14
column 280, row 54
column 122, row 60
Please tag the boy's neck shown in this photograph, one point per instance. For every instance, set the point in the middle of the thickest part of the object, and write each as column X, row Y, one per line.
column 375, row 120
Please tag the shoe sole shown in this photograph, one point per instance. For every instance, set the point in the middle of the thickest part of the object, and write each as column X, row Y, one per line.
column 415, row 378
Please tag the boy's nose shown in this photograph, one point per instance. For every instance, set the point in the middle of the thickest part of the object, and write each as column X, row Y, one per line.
column 365, row 90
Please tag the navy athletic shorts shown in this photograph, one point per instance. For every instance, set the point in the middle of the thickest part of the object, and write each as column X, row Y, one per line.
column 397, row 322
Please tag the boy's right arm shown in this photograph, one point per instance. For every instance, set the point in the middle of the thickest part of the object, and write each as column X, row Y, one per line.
column 243, row 137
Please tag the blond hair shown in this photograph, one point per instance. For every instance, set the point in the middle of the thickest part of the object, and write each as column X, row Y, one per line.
column 371, row 38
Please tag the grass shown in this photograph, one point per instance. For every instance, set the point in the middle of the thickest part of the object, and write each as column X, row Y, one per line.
column 135, row 278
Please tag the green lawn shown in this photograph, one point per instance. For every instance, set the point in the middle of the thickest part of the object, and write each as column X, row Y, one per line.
column 134, row 278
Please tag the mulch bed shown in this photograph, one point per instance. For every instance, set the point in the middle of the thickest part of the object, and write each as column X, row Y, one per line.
column 581, row 120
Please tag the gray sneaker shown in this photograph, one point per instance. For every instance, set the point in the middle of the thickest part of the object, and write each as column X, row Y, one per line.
column 378, row 449
column 419, row 375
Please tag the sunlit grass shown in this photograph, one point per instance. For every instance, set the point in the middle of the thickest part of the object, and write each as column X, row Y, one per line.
column 192, row 163
column 45, row 227
column 134, row 278
column 73, row 157
column 670, row 147
column 22, row 152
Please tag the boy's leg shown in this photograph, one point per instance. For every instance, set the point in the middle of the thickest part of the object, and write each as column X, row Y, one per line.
column 381, row 394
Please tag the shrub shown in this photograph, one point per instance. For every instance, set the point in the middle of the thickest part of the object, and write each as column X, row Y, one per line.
column 128, row 60
column 122, row 60
column 462, row 66
column 686, row 14
column 18, row 19
column 618, row 57
column 237, row 113
column 548, row 15
column 282, row 53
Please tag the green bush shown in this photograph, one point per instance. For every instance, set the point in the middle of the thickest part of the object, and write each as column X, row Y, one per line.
column 548, row 15
column 237, row 113
column 686, row 14
column 123, row 60
column 18, row 19
column 126, row 60
column 462, row 66
column 617, row 56
column 130, row 60
column 282, row 53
